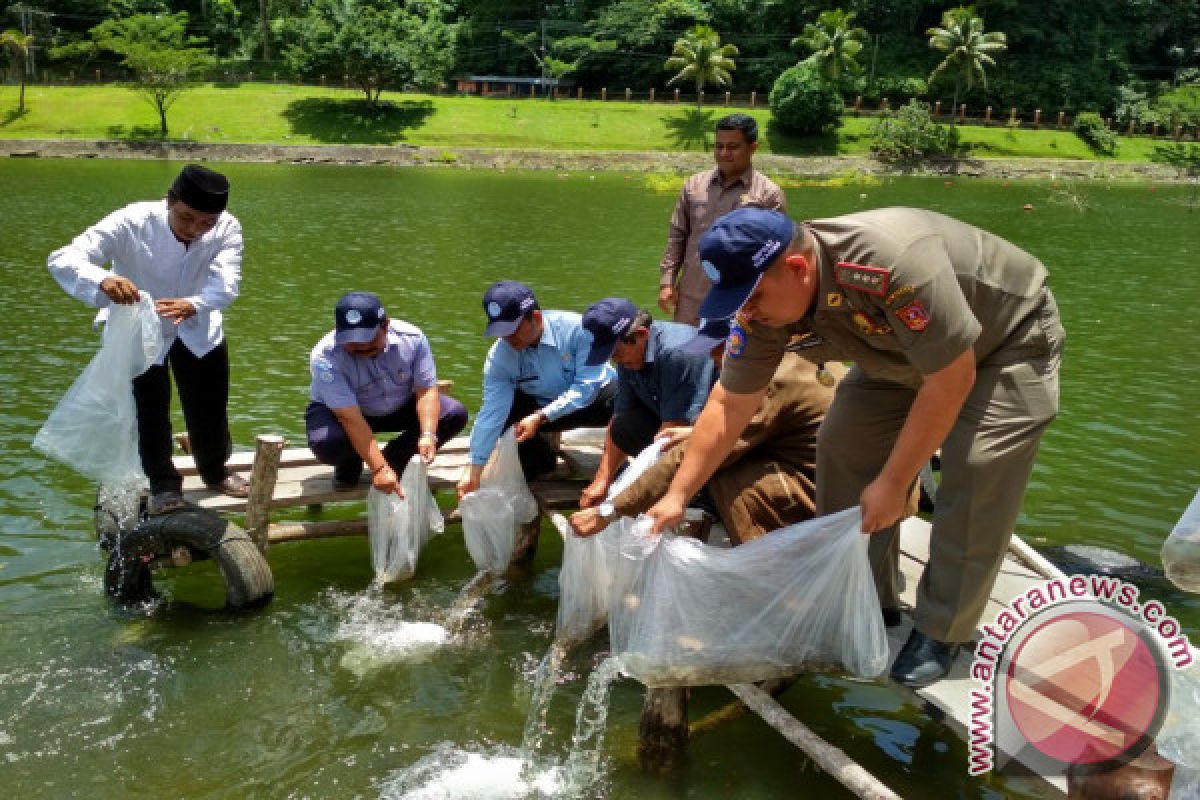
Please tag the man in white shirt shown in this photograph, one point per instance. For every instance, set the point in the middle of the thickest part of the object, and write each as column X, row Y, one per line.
column 186, row 253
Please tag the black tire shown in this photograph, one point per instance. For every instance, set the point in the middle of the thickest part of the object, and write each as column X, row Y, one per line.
column 248, row 578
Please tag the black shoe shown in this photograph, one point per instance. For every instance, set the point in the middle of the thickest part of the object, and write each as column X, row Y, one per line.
column 892, row 617
column 922, row 661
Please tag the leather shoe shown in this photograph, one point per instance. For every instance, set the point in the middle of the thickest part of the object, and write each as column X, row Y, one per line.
column 232, row 484
column 922, row 661
column 892, row 617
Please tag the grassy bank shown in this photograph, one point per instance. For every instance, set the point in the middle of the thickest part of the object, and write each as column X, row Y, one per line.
column 286, row 114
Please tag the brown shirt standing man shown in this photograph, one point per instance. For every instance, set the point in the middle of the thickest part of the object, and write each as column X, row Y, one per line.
column 734, row 183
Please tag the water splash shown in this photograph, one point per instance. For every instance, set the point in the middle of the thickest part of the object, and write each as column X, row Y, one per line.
column 583, row 762
column 544, row 682
column 379, row 634
column 451, row 773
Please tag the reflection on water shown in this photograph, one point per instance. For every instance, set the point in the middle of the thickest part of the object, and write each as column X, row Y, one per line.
column 197, row 702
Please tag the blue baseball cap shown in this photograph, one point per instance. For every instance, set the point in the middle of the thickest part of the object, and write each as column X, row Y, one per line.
column 735, row 252
column 711, row 333
column 506, row 303
column 357, row 317
column 607, row 321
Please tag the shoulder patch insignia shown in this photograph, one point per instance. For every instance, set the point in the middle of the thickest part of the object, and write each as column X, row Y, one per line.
column 868, row 326
column 735, row 345
column 899, row 293
column 833, row 299
column 872, row 280
column 914, row 316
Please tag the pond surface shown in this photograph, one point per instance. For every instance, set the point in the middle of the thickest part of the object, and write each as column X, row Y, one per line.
column 194, row 701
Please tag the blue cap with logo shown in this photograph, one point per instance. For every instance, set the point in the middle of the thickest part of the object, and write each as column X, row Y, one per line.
column 607, row 321
column 506, row 303
column 358, row 316
column 735, row 252
column 711, row 333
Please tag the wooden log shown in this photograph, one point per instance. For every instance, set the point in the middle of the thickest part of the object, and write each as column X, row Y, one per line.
column 525, row 547
column 323, row 529
column 737, row 708
column 268, row 449
column 663, row 730
column 829, row 758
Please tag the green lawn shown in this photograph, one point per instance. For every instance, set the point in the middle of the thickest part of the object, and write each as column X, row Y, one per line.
column 288, row 114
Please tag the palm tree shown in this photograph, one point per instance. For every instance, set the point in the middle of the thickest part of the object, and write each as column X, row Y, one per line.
column 969, row 50
column 18, row 44
column 834, row 44
column 701, row 58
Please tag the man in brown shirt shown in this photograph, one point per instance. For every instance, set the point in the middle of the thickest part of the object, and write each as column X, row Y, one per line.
column 734, row 183
column 768, row 479
column 957, row 343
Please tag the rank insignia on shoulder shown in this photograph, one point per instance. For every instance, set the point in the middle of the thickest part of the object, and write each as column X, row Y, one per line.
column 872, row 280
column 868, row 326
column 735, row 345
column 833, row 299
column 914, row 316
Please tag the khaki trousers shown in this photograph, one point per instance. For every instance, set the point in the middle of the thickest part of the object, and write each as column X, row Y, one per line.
column 986, row 462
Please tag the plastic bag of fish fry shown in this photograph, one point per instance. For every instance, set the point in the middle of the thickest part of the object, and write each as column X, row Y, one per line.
column 801, row 598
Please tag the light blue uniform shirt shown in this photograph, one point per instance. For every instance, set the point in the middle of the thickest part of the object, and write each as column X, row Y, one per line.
column 552, row 371
column 672, row 384
column 380, row 384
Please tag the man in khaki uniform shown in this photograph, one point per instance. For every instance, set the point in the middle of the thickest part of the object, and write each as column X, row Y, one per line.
column 768, row 479
column 956, row 341
column 734, row 183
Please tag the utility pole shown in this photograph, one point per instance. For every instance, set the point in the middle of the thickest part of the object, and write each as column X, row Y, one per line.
column 542, row 60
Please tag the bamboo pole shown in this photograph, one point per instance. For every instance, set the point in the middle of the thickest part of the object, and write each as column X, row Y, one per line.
column 829, row 758
column 267, row 450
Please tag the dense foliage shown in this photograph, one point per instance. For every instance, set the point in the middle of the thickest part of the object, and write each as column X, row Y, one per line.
column 803, row 101
column 909, row 135
column 1090, row 127
column 1061, row 54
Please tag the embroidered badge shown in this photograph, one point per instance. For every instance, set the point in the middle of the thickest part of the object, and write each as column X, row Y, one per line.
column 353, row 317
column 872, row 280
column 914, row 316
column 898, row 294
column 736, row 344
column 833, row 299
column 324, row 371
column 493, row 309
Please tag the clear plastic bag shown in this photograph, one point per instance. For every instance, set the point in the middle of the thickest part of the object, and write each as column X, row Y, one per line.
column 1179, row 737
column 1181, row 550
column 399, row 527
column 687, row 614
column 589, row 562
column 492, row 513
column 93, row 429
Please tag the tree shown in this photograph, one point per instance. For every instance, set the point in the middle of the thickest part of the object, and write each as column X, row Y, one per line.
column 562, row 56
column 374, row 43
column 159, row 53
column 968, row 49
column 18, row 45
column 702, row 59
column 803, row 102
column 834, row 44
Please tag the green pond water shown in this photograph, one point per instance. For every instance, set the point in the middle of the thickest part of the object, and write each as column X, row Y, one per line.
column 190, row 700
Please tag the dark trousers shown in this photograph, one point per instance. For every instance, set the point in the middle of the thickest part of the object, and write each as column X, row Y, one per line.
column 537, row 454
column 329, row 443
column 203, row 385
column 634, row 430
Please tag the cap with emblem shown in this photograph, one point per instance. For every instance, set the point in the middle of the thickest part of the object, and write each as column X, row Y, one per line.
column 735, row 252
column 202, row 189
column 711, row 333
column 607, row 321
column 358, row 316
column 506, row 303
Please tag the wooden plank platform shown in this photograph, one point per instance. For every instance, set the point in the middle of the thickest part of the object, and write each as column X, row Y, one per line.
column 301, row 481
column 951, row 695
